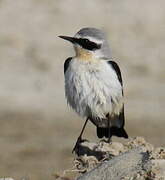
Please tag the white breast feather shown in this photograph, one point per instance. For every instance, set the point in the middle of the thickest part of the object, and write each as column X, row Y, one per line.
column 93, row 89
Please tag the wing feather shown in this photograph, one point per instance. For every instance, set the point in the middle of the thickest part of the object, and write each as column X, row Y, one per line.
column 66, row 64
column 116, row 68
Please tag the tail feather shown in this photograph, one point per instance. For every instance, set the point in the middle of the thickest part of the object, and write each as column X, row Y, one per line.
column 101, row 132
column 114, row 131
column 120, row 132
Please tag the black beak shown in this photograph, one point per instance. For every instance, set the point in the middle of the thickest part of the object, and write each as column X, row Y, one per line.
column 70, row 39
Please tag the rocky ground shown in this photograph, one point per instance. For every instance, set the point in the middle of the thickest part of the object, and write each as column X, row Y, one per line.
column 102, row 152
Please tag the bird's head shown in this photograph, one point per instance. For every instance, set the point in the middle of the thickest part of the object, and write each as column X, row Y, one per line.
column 90, row 43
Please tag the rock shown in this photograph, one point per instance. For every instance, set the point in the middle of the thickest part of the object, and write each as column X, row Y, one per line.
column 126, row 164
column 135, row 159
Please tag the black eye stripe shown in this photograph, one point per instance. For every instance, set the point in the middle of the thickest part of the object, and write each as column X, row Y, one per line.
column 87, row 44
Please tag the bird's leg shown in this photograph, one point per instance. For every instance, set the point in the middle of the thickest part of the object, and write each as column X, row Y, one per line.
column 109, row 133
column 79, row 139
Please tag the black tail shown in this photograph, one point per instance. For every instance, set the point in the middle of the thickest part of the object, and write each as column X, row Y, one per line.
column 114, row 131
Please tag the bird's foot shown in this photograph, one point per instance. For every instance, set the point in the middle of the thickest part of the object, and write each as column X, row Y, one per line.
column 77, row 145
column 109, row 141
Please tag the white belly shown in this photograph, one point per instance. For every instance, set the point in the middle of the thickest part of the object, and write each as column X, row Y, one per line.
column 93, row 89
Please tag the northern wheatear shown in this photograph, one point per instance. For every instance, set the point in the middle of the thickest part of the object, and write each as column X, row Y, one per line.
column 93, row 84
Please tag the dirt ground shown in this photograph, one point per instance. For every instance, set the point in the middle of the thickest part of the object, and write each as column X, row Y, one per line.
column 37, row 129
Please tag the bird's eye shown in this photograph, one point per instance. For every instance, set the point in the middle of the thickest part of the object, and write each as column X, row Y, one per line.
column 87, row 44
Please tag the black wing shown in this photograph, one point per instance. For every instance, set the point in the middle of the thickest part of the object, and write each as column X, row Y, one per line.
column 117, row 70
column 115, row 66
column 66, row 64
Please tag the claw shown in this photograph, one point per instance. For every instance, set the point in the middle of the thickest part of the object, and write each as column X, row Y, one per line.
column 109, row 141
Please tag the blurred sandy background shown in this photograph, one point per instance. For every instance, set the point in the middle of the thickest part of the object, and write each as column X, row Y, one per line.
column 37, row 129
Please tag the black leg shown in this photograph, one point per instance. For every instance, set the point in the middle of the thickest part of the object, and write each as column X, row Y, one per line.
column 79, row 139
column 109, row 133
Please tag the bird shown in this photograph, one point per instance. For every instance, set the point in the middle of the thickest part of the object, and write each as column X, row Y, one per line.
column 93, row 84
